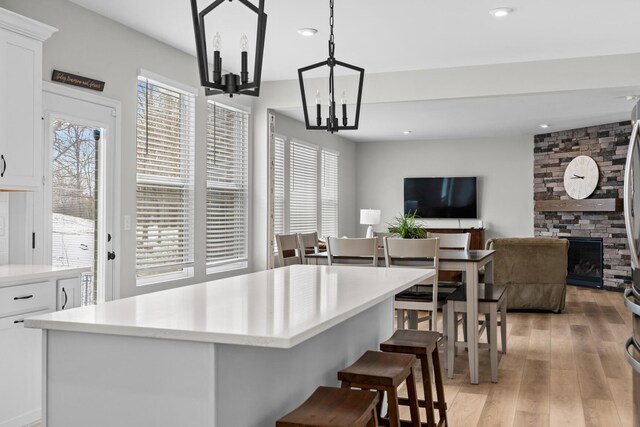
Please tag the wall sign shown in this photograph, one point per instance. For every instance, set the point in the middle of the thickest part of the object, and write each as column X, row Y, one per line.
column 75, row 80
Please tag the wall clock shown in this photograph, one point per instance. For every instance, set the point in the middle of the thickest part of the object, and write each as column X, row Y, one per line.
column 581, row 177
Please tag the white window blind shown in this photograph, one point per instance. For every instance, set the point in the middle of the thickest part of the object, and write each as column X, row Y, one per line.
column 329, row 193
column 227, row 186
column 164, row 179
column 303, row 188
column 279, row 225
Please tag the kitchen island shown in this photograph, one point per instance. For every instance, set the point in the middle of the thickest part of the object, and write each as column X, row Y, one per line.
column 236, row 352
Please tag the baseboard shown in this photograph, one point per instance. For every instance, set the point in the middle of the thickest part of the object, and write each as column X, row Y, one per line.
column 613, row 288
column 27, row 419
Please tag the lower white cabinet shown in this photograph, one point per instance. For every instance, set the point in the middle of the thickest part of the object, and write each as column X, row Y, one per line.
column 33, row 290
column 21, row 351
column 68, row 293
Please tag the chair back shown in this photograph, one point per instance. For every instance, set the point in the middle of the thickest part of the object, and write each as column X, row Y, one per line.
column 307, row 242
column 460, row 241
column 413, row 253
column 362, row 252
column 380, row 235
column 288, row 252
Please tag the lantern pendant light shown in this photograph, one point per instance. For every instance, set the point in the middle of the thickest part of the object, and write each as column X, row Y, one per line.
column 332, row 124
column 216, row 83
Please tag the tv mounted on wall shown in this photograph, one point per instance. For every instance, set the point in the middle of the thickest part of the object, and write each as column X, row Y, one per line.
column 441, row 197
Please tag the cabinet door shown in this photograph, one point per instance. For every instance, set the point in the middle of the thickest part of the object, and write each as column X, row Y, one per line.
column 20, row 115
column 68, row 293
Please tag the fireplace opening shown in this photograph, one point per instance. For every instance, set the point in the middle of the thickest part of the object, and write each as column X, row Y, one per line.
column 585, row 266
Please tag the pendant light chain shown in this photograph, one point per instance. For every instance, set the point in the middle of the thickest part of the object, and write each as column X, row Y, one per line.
column 332, row 46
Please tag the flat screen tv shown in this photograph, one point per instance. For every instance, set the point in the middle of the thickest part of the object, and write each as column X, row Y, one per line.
column 443, row 197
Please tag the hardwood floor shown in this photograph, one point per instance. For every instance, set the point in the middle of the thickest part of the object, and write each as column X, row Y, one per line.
column 564, row 369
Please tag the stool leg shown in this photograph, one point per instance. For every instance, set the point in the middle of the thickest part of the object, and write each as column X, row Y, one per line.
column 373, row 422
column 400, row 319
column 487, row 322
column 445, row 332
column 412, row 393
column 428, row 392
column 453, row 337
column 493, row 344
column 394, row 409
column 437, row 377
column 503, row 324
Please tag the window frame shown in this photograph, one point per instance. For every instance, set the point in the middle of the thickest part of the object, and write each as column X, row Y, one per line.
column 188, row 270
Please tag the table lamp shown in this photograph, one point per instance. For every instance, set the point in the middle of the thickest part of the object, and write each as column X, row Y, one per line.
column 369, row 217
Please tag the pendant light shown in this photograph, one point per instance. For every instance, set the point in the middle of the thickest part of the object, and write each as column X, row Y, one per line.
column 216, row 83
column 331, row 123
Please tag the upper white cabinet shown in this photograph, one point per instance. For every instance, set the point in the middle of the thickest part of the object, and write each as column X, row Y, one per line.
column 21, row 144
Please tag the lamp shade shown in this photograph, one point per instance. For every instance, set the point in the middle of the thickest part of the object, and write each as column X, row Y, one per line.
column 369, row 216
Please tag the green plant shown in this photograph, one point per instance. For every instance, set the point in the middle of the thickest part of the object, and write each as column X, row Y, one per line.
column 405, row 226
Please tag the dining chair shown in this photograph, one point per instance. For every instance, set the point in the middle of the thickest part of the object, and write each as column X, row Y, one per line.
column 416, row 253
column 307, row 242
column 288, row 251
column 380, row 235
column 460, row 241
column 347, row 251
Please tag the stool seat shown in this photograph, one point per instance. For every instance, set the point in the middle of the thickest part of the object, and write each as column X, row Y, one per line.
column 376, row 368
column 411, row 341
column 334, row 407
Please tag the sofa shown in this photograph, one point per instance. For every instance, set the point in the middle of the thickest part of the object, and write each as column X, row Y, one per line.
column 534, row 269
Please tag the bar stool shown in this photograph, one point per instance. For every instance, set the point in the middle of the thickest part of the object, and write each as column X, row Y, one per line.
column 385, row 372
column 422, row 344
column 491, row 299
column 335, row 407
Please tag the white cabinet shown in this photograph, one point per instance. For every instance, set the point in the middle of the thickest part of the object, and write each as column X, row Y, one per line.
column 21, row 351
column 21, row 140
column 68, row 293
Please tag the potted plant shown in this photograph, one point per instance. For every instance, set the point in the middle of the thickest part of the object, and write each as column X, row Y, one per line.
column 405, row 226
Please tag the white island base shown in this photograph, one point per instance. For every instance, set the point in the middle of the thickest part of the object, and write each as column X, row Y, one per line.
column 108, row 380
column 236, row 352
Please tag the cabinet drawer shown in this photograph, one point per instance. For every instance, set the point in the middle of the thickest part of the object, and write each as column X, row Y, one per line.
column 17, row 321
column 24, row 298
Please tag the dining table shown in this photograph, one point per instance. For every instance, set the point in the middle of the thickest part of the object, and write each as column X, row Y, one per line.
column 470, row 263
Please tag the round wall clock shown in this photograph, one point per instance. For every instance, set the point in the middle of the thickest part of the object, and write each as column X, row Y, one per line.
column 581, row 177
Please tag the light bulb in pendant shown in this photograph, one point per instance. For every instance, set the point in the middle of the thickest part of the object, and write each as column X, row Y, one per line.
column 244, row 43
column 217, row 42
column 343, row 98
column 318, row 98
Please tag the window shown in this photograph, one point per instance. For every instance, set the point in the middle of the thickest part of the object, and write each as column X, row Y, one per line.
column 164, row 182
column 305, row 193
column 227, row 187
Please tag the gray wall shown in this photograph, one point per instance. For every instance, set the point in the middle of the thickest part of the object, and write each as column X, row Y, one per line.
column 504, row 167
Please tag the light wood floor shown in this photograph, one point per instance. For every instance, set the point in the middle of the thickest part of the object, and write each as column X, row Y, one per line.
column 563, row 369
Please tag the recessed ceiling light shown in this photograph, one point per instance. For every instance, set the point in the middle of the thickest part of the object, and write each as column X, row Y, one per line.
column 545, row 125
column 406, row 132
column 501, row 12
column 307, row 32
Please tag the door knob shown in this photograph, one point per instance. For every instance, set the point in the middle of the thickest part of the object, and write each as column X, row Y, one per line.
column 111, row 255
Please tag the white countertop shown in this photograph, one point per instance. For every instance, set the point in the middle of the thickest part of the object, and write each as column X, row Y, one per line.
column 11, row 274
column 274, row 308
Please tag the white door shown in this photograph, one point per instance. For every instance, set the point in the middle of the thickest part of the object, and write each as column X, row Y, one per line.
column 80, row 154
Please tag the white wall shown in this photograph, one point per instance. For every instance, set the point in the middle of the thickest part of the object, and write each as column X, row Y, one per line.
column 346, row 166
column 504, row 167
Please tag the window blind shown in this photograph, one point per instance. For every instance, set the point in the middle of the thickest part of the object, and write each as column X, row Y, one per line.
column 164, row 179
column 278, row 189
column 227, row 185
column 329, row 193
column 303, row 193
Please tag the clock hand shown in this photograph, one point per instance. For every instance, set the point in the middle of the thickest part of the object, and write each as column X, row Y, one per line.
column 577, row 176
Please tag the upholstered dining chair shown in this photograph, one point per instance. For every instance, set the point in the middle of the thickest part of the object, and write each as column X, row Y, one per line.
column 288, row 252
column 348, row 251
column 307, row 242
column 416, row 253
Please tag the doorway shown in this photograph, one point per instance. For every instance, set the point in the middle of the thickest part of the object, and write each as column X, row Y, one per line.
column 79, row 182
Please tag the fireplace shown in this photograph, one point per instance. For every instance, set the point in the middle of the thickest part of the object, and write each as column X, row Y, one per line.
column 585, row 266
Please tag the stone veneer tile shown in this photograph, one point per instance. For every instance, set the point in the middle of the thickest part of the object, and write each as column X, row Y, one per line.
column 607, row 144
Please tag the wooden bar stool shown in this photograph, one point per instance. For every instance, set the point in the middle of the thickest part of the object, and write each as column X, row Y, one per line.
column 422, row 344
column 385, row 372
column 334, row 407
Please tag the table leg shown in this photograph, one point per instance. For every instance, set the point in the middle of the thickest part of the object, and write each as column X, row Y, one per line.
column 472, row 319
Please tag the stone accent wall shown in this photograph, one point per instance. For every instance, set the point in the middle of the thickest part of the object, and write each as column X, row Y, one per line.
column 607, row 145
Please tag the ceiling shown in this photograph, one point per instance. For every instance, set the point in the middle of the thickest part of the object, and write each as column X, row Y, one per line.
column 383, row 36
